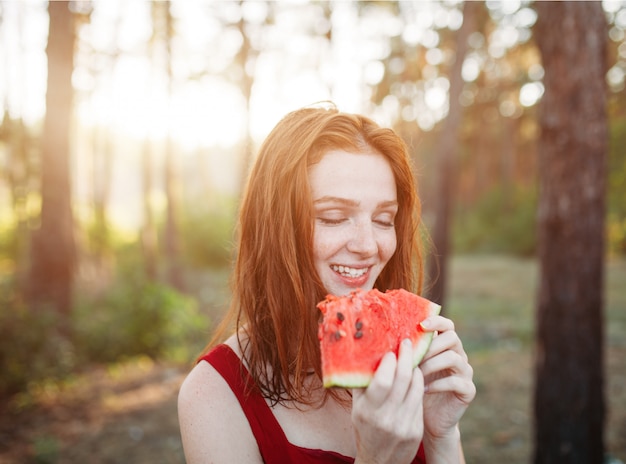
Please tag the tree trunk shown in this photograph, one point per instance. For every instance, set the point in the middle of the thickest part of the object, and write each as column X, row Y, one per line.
column 446, row 165
column 148, row 230
column 172, row 240
column 242, row 59
column 102, row 178
column 53, row 253
column 568, row 397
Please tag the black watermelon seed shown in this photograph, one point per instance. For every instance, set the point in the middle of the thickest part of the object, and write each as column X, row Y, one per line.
column 340, row 316
column 358, row 335
column 358, row 325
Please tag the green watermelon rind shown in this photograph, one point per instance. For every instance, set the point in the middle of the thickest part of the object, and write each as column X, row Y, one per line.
column 362, row 380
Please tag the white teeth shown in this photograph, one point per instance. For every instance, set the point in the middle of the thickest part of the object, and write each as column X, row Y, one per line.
column 349, row 271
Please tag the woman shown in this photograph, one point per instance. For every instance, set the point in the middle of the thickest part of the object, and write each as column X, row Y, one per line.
column 330, row 206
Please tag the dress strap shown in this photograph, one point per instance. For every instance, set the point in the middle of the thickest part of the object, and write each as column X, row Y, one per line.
column 263, row 423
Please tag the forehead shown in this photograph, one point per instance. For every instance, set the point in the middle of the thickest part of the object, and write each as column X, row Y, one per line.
column 355, row 176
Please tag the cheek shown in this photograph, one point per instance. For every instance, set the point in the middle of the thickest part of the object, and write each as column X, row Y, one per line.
column 324, row 244
column 388, row 246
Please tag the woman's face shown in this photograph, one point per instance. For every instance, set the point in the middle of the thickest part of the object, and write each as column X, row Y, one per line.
column 355, row 204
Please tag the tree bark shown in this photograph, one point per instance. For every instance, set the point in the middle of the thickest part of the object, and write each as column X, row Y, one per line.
column 446, row 165
column 568, row 395
column 53, row 253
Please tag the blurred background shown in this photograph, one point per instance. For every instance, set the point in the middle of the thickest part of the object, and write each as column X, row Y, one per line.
column 127, row 131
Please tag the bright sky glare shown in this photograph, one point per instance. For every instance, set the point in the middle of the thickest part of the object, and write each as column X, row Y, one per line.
column 122, row 86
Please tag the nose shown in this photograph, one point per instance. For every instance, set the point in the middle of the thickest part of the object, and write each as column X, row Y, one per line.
column 363, row 239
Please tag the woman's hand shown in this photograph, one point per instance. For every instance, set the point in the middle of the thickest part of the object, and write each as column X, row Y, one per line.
column 388, row 414
column 449, row 388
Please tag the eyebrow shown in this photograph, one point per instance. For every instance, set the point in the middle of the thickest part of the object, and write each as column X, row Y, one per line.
column 352, row 203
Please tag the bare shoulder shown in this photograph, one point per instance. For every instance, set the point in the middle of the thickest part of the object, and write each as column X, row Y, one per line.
column 212, row 425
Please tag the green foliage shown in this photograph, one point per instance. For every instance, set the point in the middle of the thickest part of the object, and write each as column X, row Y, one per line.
column 138, row 317
column 133, row 317
column 31, row 346
column 616, row 218
column 46, row 450
column 616, row 234
column 500, row 222
column 207, row 234
column 8, row 239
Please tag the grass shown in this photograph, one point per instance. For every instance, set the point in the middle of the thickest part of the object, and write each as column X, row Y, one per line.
column 492, row 301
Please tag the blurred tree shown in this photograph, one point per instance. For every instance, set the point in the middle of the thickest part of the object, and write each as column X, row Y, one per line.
column 102, row 167
column 248, row 21
column 446, row 163
column 495, row 146
column 102, row 152
column 149, row 234
column 498, row 132
column 568, row 397
column 244, row 61
column 53, row 249
column 173, row 271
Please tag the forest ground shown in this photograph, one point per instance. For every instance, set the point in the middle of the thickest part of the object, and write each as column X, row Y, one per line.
column 127, row 413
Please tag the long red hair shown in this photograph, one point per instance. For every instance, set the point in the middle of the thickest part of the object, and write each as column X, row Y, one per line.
column 275, row 287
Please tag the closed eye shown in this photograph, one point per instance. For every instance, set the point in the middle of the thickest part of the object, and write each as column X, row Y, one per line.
column 331, row 221
column 385, row 218
column 385, row 224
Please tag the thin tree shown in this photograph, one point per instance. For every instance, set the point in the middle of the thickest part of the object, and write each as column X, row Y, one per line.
column 174, row 275
column 446, row 164
column 244, row 56
column 102, row 167
column 568, row 394
column 53, row 249
column 148, row 229
column 149, row 234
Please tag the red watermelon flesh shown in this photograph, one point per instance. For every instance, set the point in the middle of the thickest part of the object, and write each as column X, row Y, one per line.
column 358, row 329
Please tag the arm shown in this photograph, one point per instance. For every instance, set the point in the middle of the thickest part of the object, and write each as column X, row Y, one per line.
column 449, row 391
column 212, row 425
column 444, row 450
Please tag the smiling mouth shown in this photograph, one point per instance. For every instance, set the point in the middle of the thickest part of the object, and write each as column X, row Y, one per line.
column 346, row 271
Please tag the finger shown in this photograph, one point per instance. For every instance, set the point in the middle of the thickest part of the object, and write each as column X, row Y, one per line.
column 382, row 382
column 412, row 408
column 437, row 324
column 404, row 372
column 449, row 361
column 415, row 393
column 448, row 340
column 464, row 389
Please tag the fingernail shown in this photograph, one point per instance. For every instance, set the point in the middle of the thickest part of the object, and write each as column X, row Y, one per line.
column 426, row 324
column 407, row 342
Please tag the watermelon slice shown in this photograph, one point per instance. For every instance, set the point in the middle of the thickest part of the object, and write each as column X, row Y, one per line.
column 359, row 328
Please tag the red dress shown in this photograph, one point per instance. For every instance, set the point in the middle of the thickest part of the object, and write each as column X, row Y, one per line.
column 272, row 442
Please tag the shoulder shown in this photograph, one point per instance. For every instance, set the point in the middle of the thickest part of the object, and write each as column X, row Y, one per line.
column 212, row 424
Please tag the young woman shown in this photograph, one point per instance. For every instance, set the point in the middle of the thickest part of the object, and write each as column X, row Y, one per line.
column 330, row 206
